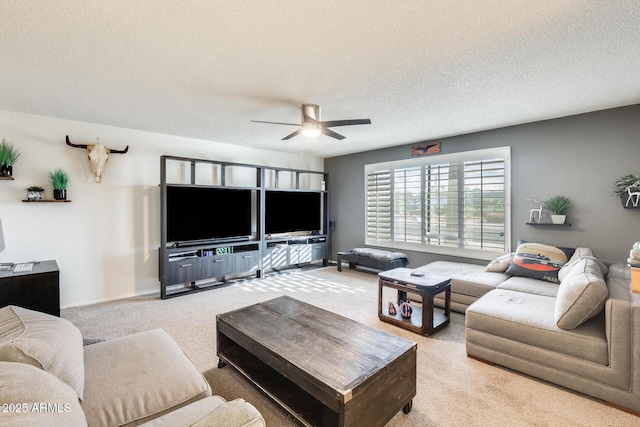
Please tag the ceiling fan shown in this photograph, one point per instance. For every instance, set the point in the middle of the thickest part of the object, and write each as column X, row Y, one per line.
column 312, row 125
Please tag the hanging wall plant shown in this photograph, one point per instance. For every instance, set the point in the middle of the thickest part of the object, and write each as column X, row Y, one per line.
column 8, row 156
column 628, row 189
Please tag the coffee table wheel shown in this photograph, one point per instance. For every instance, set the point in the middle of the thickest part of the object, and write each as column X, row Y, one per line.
column 221, row 363
column 407, row 407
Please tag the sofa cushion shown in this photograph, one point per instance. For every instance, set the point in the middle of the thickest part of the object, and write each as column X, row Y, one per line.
column 581, row 294
column 138, row 377
column 577, row 256
column 500, row 264
column 538, row 261
column 530, row 286
column 526, row 321
column 38, row 398
column 379, row 254
column 476, row 284
column 466, row 279
column 45, row 341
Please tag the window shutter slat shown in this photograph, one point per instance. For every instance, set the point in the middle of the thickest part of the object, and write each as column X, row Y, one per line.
column 379, row 205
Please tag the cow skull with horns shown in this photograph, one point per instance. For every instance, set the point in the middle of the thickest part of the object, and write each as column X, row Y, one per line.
column 98, row 156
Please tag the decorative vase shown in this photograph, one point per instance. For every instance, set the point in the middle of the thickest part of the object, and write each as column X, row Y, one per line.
column 630, row 201
column 405, row 309
column 6, row 170
column 558, row 219
column 60, row 194
column 34, row 195
column 392, row 309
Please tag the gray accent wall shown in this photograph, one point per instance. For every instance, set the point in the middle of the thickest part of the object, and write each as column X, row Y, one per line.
column 578, row 156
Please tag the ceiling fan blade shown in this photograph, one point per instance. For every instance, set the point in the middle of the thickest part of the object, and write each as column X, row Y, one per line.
column 332, row 123
column 331, row 133
column 291, row 135
column 276, row 123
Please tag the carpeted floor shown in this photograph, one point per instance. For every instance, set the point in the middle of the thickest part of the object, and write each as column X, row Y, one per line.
column 453, row 390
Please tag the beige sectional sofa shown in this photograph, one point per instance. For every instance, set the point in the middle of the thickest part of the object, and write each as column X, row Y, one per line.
column 468, row 282
column 582, row 334
column 48, row 378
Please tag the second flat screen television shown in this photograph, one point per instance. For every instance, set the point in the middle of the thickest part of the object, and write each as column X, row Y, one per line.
column 292, row 211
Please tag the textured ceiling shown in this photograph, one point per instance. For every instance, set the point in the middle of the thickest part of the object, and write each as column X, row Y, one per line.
column 419, row 69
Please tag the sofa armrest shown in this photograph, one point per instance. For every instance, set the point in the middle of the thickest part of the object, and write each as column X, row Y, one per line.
column 618, row 315
column 212, row 411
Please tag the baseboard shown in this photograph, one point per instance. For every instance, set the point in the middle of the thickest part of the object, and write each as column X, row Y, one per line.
column 623, row 408
column 479, row 359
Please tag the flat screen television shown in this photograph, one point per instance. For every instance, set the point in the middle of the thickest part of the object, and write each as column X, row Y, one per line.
column 204, row 213
column 292, row 211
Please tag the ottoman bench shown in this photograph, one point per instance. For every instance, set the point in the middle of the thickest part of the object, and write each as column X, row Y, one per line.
column 373, row 258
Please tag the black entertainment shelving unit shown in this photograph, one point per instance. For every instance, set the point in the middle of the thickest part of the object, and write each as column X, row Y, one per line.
column 187, row 268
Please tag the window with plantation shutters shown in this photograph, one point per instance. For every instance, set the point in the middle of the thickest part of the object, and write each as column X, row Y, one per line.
column 456, row 204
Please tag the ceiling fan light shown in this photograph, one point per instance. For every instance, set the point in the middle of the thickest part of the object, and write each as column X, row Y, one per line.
column 310, row 130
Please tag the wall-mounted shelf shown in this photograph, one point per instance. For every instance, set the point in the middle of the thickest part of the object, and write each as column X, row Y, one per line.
column 547, row 224
column 47, row 201
column 6, row 178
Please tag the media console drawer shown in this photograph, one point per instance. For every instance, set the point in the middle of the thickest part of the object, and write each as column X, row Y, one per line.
column 183, row 271
column 215, row 266
column 246, row 261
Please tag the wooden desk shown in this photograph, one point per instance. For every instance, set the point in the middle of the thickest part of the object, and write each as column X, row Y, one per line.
column 38, row 289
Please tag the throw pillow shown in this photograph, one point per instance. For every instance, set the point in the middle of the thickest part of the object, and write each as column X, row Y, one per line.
column 581, row 294
column 537, row 261
column 44, row 341
column 500, row 264
column 38, row 398
column 577, row 256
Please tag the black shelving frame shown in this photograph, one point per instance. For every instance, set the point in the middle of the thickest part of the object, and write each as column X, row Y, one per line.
column 191, row 264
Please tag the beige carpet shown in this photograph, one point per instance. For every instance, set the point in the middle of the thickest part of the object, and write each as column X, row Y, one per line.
column 453, row 390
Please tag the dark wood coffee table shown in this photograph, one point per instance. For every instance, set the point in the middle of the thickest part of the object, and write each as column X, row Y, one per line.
column 324, row 369
column 424, row 320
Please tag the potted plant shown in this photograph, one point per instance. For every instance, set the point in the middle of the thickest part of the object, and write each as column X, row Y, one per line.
column 558, row 207
column 628, row 189
column 8, row 156
column 59, row 180
column 34, row 192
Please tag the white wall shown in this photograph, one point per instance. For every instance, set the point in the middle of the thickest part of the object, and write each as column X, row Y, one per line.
column 106, row 240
